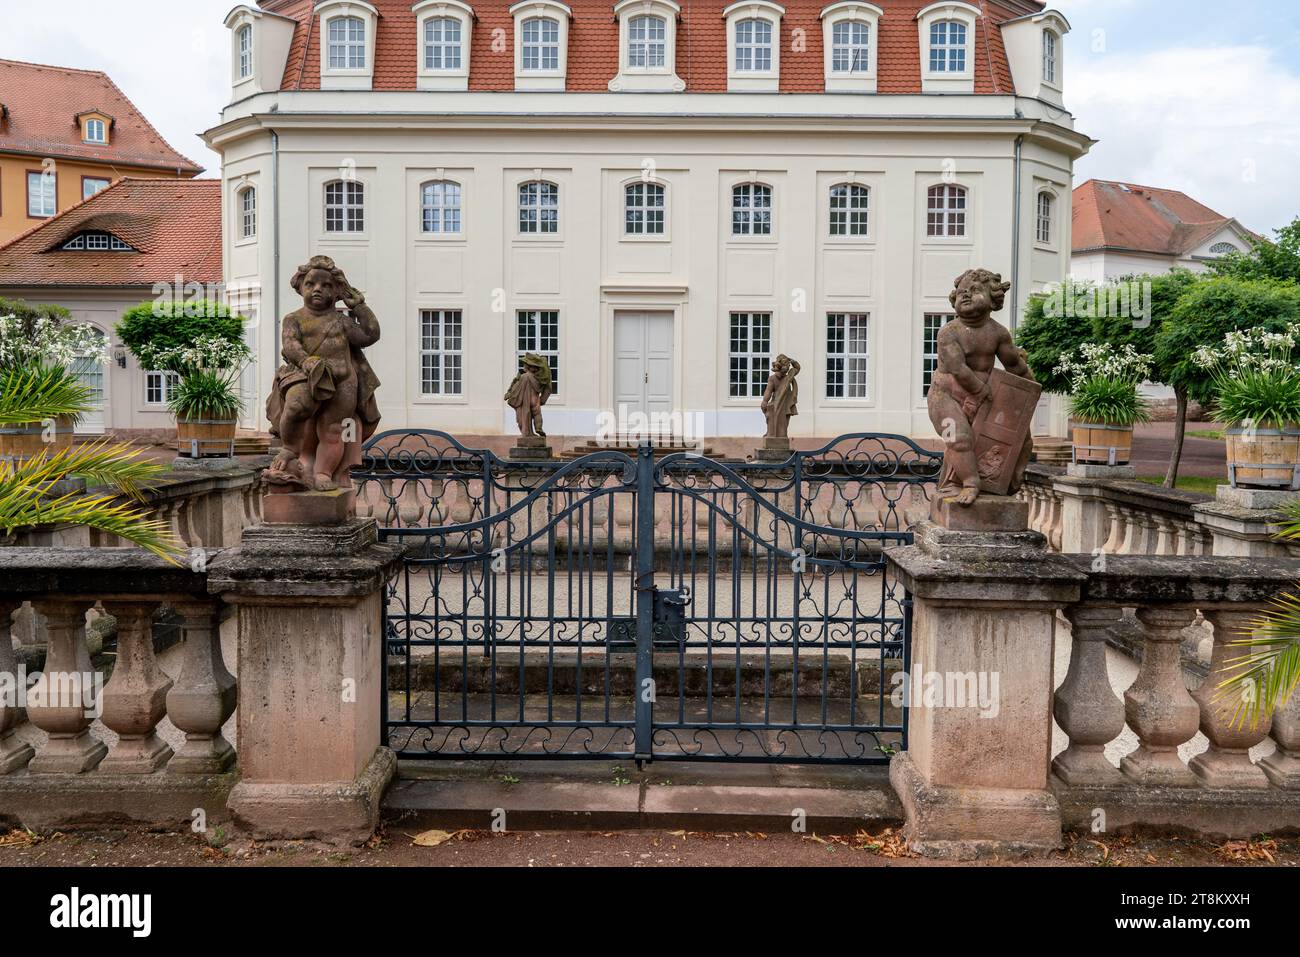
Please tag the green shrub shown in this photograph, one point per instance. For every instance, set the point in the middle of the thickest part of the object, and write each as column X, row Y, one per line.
column 154, row 327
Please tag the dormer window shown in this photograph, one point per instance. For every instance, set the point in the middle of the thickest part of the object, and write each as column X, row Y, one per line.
column 850, row 31
column 444, row 48
column 97, row 242
column 647, row 46
column 96, row 132
column 245, row 51
column 347, row 38
column 1050, row 43
column 541, row 44
column 947, row 36
column 753, row 44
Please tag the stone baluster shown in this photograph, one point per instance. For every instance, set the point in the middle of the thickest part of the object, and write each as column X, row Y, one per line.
column 14, row 754
column 1030, row 494
column 1158, row 706
column 1227, row 763
column 61, row 702
column 1116, row 530
column 135, row 698
column 1053, row 531
column 1165, row 536
column 1086, row 707
column 1131, row 545
column 1283, row 765
column 204, row 695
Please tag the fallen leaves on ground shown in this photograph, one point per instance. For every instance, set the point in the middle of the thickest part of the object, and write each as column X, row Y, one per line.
column 19, row 838
column 888, row 843
column 1245, row 852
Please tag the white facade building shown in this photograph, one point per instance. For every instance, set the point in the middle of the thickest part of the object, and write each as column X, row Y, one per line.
column 659, row 200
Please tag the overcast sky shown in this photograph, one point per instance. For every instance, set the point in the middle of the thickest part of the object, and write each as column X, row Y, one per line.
column 1196, row 95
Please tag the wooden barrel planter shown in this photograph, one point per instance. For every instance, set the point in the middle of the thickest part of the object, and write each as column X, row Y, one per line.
column 1096, row 443
column 200, row 438
column 28, row 439
column 1264, row 458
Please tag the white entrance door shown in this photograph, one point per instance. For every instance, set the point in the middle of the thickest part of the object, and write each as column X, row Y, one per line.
column 91, row 374
column 643, row 367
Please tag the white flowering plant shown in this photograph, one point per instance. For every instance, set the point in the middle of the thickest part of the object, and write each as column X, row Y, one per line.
column 1104, row 381
column 209, row 370
column 1256, row 375
column 30, row 341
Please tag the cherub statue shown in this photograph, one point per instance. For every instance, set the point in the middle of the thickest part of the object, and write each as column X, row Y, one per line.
column 322, row 403
column 781, row 397
column 967, row 349
column 528, row 392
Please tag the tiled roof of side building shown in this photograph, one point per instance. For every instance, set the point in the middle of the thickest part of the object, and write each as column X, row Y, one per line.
column 173, row 226
column 1112, row 215
column 42, row 104
column 701, row 46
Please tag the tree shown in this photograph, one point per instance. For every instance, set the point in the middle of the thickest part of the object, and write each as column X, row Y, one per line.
column 1049, row 331
column 1207, row 311
column 155, row 327
column 1278, row 260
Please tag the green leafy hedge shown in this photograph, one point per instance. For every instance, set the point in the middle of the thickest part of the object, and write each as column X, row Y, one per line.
column 170, row 325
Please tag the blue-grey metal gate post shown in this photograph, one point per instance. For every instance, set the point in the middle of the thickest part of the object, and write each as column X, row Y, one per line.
column 645, row 601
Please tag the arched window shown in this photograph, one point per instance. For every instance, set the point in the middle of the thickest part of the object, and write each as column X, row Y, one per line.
column 850, row 47
column 248, row 212
column 245, row 51
column 347, row 43
column 440, row 207
column 947, row 47
column 541, row 46
column 442, row 43
column 345, row 206
column 539, row 207
column 1046, row 207
column 946, row 211
column 1049, row 56
column 751, row 210
column 643, row 206
column 850, row 207
column 647, row 43
column 1223, row 249
column 753, row 46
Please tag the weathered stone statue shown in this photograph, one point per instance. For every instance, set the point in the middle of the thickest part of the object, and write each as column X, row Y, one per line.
column 781, row 397
column 985, row 416
column 528, row 392
column 322, row 403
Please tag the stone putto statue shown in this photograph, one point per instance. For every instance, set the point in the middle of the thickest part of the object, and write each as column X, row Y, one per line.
column 322, row 403
column 963, row 396
column 528, row 392
column 781, row 397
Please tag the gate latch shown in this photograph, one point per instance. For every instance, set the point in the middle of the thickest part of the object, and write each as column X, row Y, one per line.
column 670, row 615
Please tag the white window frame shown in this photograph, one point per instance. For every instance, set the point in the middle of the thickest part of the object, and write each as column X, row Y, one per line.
column 163, row 384
column 948, row 81
column 662, row 78
column 644, row 188
column 92, row 125
column 443, row 78
column 750, row 209
column 542, row 79
column 347, row 77
column 1051, row 58
column 948, row 213
column 48, row 196
column 931, row 321
column 849, row 360
column 94, row 179
column 246, row 214
column 244, row 44
column 349, row 203
column 751, row 358
column 446, row 359
column 441, row 207
column 1045, row 225
column 863, row 78
column 849, row 211
column 754, row 81
column 531, row 339
column 1218, row 250
column 521, row 206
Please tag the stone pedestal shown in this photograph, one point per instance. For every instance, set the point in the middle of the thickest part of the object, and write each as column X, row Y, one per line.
column 773, row 450
column 308, row 508
column 531, row 448
column 310, row 604
column 1245, row 523
column 988, row 513
column 974, row 778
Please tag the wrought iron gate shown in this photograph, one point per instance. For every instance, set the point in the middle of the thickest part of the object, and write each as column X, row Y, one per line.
column 631, row 607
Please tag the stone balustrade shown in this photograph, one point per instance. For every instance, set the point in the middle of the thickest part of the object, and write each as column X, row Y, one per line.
column 62, row 767
column 1221, row 790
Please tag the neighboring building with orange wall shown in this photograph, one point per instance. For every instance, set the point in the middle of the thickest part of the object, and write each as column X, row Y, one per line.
column 66, row 134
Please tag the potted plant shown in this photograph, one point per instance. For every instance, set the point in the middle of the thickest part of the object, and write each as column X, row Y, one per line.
column 39, row 345
column 206, row 400
column 1104, row 400
column 1257, row 395
column 202, row 342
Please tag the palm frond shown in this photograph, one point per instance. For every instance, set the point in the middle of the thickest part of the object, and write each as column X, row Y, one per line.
column 1291, row 527
column 24, row 507
column 1265, row 676
column 32, row 394
column 103, row 462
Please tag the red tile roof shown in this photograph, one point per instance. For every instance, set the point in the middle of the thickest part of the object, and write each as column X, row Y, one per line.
column 175, row 226
column 42, row 104
column 701, row 46
column 1110, row 215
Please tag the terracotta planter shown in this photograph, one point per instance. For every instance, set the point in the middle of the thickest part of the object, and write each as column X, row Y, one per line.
column 1097, row 443
column 199, row 438
column 1264, row 458
column 28, row 439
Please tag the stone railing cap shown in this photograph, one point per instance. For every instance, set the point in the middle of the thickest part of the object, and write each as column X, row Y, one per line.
column 1139, row 580
column 100, row 573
